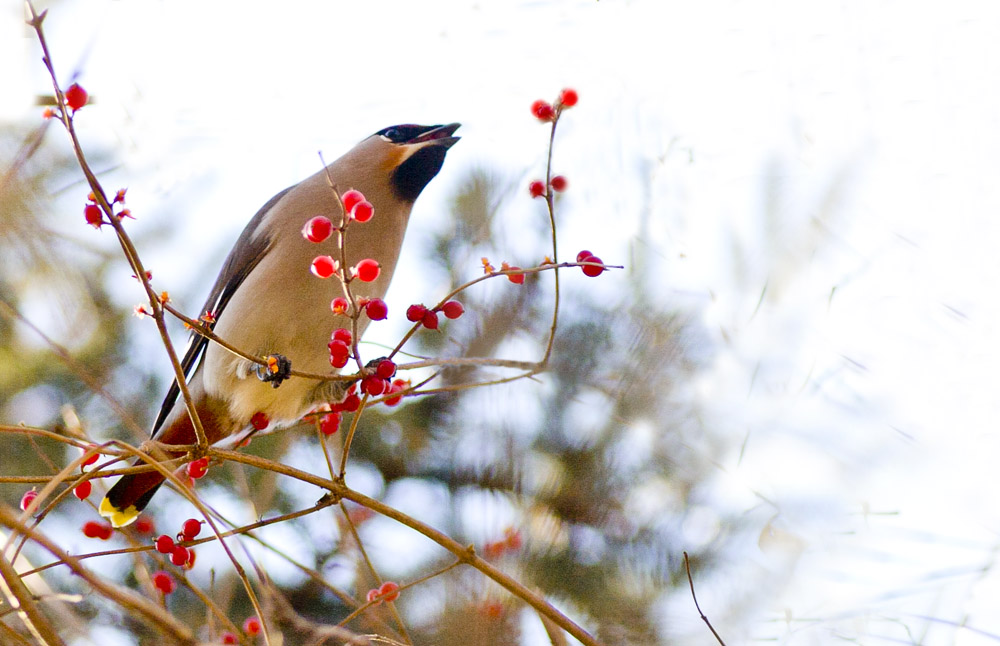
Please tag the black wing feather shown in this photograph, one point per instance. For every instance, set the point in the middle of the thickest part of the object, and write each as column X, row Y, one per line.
column 246, row 253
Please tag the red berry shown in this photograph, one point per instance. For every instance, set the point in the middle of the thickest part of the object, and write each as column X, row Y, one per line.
column 259, row 421
column 323, row 266
column 492, row 610
column 430, row 320
column 330, row 423
column 385, row 369
column 94, row 529
column 93, row 215
column 415, row 313
column 452, row 309
column 317, row 229
column 351, row 403
column 367, row 270
column 396, row 386
column 363, row 211
column 144, row 525
column 27, row 499
column 76, row 97
column 197, row 468
column 82, row 490
column 512, row 539
column 191, row 528
column 373, row 385
column 542, row 110
column 163, row 582
column 559, row 183
column 389, row 591
column 93, row 458
column 343, row 335
column 583, row 254
column 376, row 309
column 229, row 638
column 568, row 97
column 536, row 188
column 351, row 198
column 493, row 550
column 372, row 597
column 589, row 270
column 340, row 353
column 179, row 555
column 164, row 544
column 339, row 305
column 251, row 626
column 517, row 279
column 188, row 564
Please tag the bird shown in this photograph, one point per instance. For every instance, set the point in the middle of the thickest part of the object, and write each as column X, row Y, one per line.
column 266, row 302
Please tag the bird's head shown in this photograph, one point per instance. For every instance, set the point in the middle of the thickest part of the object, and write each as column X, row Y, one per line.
column 410, row 155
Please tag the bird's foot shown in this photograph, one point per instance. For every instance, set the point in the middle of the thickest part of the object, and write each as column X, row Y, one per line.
column 278, row 368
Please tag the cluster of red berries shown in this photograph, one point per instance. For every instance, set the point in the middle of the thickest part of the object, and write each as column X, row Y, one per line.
column 329, row 423
column 83, row 490
column 251, row 627
column 537, row 187
column 379, row 383
column 93, row 214
column 544, row 111
column 511, row 542
column 340, row 347
column 375, row 308
column 97, row 529
column 590, row 270
column 418, row 313
column 388, row 591
column 179, row 555
column 320, row 228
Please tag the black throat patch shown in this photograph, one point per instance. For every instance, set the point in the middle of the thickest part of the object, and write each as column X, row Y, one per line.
column 410, row 178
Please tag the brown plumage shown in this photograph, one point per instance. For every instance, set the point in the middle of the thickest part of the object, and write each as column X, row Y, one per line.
column 265, row 300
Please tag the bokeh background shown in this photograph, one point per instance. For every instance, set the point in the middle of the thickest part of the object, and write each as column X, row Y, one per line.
column 793, row 378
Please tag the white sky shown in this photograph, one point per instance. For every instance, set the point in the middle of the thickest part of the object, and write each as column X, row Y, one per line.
column 878, row 121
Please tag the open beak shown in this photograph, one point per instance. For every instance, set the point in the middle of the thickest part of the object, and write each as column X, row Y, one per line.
column 439, row 135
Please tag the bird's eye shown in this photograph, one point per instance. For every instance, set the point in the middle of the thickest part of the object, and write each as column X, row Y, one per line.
column 391, row 134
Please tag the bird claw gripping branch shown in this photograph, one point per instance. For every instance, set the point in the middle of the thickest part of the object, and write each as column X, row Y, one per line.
column 278, row 368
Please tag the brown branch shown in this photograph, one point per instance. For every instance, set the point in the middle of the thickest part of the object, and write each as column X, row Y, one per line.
column 466, row 554
column 687, row 567
column 21, row 599
column 136, row 605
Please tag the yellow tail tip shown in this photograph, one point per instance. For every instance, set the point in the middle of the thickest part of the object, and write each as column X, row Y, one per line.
column 117, row 517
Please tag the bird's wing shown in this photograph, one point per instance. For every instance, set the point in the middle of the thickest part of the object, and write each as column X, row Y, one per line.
column 246, row 253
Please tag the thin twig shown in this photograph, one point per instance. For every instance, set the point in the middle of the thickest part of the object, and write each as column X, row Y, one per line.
column 100, row 198
column 687, row 567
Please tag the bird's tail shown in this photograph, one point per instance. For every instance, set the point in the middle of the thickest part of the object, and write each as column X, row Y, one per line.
column 129, row 497
column 132, row 492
